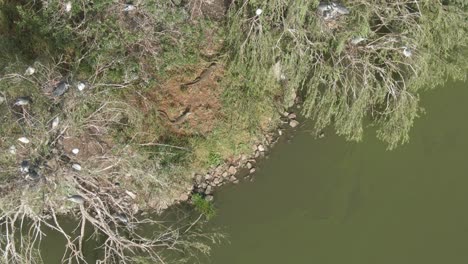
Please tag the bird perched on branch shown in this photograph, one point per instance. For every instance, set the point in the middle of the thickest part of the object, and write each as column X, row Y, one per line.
column 76, row 198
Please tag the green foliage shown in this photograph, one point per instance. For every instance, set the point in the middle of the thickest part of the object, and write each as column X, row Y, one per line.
column 214, row 159
column 343, row 84
column 203, row 206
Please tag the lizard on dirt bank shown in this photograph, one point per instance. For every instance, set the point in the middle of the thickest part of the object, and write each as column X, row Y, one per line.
column 203, row 75
column 178, row 120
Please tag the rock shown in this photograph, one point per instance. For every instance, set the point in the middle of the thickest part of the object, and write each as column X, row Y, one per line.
column 261, row 148
column 218, row 181
column 249, row 165
column 209, row 190
column 184, row 197
column 292, row 116
column 208, row 177
column 254, row 147
column 293, row 123
column 209, row 198
column 198, row 179
column 232, row 170
column 225, row 174
column 2, row 99
column 257, row 154
column 236, row 181
column 204, row 185
column 233, row 179
column 244, row 157
column 252, row 170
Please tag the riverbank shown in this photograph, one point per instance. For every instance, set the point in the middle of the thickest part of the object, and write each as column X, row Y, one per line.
column 114, row 110
column 110, row 132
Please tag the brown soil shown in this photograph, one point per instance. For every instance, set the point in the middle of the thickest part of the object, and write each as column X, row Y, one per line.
column 202, row 97
column 213, row 9
column 89, row 147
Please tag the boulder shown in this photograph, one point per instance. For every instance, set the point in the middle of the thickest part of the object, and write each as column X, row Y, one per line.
column 209, row 190
column 232, row 170
column 261, row 148
column 292, row 116
column 293, row 123
column 183, row 197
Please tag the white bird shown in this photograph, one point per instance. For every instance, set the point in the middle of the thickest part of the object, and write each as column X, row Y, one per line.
column 12, row 150
column 81, row 86
column 258, row 12
column 21, row 101
column 129, row 8
column 24, row 140
column 76, row 167
column 30, row 71
column 357, row 40
column 68, row 6
column 55, row 122
column 407, row 52
column 76, row 199
column 75, row 151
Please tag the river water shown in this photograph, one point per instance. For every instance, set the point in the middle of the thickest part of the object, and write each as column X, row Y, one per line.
column 328, row 201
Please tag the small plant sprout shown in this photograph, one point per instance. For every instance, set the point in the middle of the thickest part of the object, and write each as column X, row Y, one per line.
column 55, row 122
column 12, row 150
column 68, row 6
column 75, row 151
column 407, row 52
column 24, row 140
column 258, row 11
column 81, row 86
column 76, row 167
column 29, row 71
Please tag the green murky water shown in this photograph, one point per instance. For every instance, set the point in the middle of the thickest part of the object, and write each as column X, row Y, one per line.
column 328, row 201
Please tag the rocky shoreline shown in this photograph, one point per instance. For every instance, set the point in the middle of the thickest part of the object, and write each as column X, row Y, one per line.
column 241, row 167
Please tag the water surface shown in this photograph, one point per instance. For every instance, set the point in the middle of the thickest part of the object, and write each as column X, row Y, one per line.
column 329, row 201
